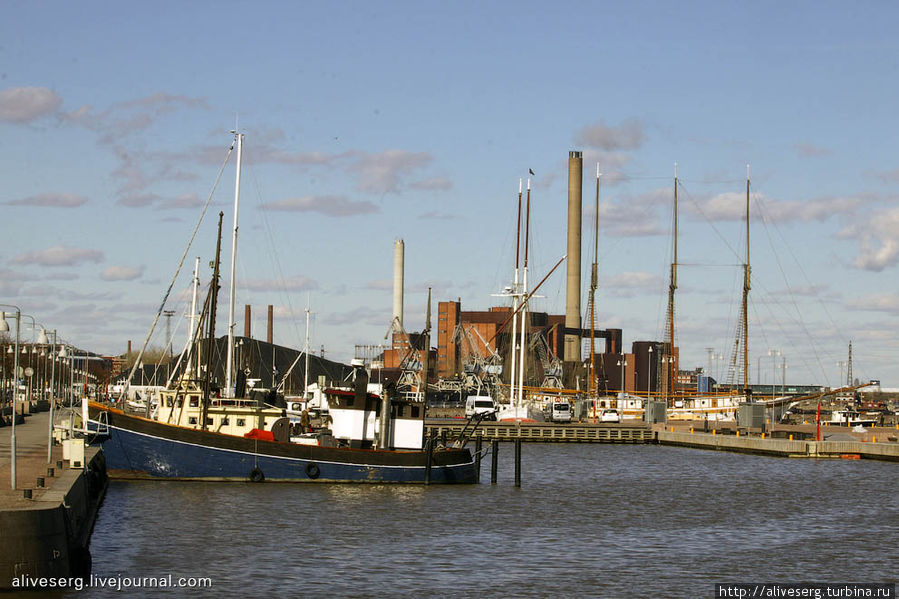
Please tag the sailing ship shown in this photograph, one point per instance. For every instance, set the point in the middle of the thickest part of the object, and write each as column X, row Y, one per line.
column 230, row 434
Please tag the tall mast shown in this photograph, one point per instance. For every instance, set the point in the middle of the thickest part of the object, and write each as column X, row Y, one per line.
column 594, row 282
column 746, row 286
column 229, row 375
column 194, row 317
column 306, row 351
column 210, row 341
column 524, row 310
column 849, row 367
column 672, row 287
column 513, row 372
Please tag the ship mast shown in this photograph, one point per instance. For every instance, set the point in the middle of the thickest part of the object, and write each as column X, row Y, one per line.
column 594, row 282
column 746, row 286
column 513, row 372
column 229, row 375
column 524, row 310
column 672, row 287
column 210, row 341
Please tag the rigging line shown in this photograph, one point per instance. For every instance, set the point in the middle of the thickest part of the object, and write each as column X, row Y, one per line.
column 279, row 270
column 809, row 283
column 709, row 221
column 795, row 304
column 178, row 270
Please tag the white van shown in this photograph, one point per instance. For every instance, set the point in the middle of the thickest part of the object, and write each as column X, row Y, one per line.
column 560, row 411
column 480, row 404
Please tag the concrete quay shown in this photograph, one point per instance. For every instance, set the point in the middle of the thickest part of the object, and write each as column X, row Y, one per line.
column 876, row 444
column 47, row 535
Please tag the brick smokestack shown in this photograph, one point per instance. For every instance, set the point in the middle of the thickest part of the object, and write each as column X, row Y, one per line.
column 271, row 324
column 246, row 320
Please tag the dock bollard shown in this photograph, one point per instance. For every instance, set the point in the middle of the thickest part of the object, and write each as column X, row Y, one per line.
column 479, row 442
column 791, row 437
column 494, row 451
column 518, row 462
column 714, row 431
column 691, row 430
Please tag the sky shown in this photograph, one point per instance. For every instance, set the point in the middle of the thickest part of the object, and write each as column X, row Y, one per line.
column 364, row 122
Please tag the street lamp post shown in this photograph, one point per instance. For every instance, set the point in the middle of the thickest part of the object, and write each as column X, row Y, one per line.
column 622, row 362
column 650, row 371
column 4, row 326
column 774, row 353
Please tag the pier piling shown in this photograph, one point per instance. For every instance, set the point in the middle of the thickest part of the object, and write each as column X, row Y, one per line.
column 479, row 443
column 494, row 452
column 517, row 462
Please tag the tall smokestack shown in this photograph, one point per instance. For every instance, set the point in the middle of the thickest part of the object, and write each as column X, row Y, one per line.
column 398, row 259
column 246, row 321
column 573, row 289
column 271, row 324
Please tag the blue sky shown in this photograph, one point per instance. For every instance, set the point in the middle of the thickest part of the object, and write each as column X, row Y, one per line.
column 365, row 122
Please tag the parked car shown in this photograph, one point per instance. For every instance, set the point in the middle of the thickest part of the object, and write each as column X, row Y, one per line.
column 610, row 415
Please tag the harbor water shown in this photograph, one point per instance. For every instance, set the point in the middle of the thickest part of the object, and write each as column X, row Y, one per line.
column 589, row 520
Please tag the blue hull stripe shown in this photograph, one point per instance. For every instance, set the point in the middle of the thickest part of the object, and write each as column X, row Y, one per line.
column 131, row 454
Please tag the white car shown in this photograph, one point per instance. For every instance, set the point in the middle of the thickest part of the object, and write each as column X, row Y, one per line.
column 610, row 415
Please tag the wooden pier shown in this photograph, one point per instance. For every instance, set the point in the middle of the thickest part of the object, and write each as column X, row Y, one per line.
column 546, row 432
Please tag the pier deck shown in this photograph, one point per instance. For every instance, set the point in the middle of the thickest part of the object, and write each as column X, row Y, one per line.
column 48, row 534
column 547, row 432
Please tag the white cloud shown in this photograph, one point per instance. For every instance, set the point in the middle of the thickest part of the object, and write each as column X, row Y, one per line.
column 336, row 206
column 287, row 284
column 433, row 184
column 122, row 273
column 23, row 104
column 878, row 247
column 811, row 150
column 50, row 200
column 878, row 302
column 627, row 284
column 383, row 172
column 59, row 256
column 731, row 206
column 629, row 135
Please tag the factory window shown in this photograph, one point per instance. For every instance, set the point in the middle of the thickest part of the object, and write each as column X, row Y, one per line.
column 241, row 422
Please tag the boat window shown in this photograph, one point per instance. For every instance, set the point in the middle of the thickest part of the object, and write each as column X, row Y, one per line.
column 209, row 422
column 168, row 402
column 225, row 421
column 241, row 422
column 192, row 420
column 194, row 401
column 350, row 401
column 400, row 411
column 414, row 411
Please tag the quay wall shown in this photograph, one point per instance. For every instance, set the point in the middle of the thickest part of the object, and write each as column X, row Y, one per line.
column 50, row 535
column 781, row 447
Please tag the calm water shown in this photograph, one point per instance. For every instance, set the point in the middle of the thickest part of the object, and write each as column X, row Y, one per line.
column 589, row 520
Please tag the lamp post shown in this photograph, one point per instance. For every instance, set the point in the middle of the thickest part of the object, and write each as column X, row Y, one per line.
column 4, row 327
column 650, row 370
column 774, row 353
column 622, row 362
column 840, row 380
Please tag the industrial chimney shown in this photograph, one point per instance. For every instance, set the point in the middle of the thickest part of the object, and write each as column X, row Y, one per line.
column 398, row 258
column 271, row 324
column 573, row 288
column 246, row 320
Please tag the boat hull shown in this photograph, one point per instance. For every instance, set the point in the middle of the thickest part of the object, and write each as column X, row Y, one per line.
column 140, row 448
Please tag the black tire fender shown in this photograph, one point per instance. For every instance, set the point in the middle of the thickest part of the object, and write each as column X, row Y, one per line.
column 312, row 470
column 256, row 475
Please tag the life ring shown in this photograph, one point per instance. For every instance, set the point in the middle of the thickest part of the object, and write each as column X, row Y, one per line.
column 312, row 470
column 256, row 475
